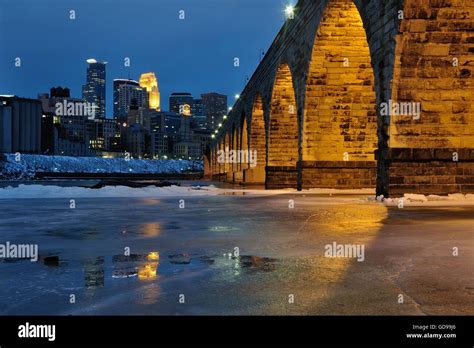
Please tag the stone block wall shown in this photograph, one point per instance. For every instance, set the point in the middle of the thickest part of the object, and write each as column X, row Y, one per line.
column 430, row 171
column 339, row 174
column 281, row 177
column 434, row 66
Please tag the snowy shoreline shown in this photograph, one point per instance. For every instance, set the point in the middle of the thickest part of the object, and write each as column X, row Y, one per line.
column 361, row 196
column 25, row 167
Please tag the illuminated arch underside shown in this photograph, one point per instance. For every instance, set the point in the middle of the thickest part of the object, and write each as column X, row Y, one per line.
column 340, row 112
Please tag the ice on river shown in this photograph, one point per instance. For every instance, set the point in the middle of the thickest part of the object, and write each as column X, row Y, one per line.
column 231, row 253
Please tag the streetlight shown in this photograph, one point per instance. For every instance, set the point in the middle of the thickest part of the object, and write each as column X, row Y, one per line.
column 237, row 96
column 290, row 11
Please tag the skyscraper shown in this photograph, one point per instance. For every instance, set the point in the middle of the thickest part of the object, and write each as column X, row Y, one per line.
column 181, row 103
column 150, row 83
column 126, row 92
column 94, row 89
column 215, row 107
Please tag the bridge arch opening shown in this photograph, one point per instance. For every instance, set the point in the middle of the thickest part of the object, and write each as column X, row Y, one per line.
column 283, row 123
column 244, row 140
column 214, row 168
column 227, row 147
column 340, row 119
column 220, row 165
column 235, row 147
column 255, row 173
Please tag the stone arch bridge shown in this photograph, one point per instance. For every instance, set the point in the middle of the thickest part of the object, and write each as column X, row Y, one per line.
column 358, row 94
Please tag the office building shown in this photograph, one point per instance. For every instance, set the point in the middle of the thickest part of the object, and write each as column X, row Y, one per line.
column 181, row 103
column 127, row 92
column 215, row 107
column 70, row 117
column 105, row 136
column 94, row 90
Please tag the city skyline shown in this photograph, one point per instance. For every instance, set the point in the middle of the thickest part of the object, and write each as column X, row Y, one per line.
column 269, row 159
column 204, row 64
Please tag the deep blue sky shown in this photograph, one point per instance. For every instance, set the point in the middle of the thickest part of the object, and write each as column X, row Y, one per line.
column 194, row 55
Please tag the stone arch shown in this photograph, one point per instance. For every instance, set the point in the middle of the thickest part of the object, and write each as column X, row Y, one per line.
column 340, row 118
column 235, row 147
column 217, row 166
column 257, row 142
column 244, row 139
column 213, row 160
column 340, row 103
column 227, row 147
column 283, row 122
column 258, row 137
column 207, row 166
column 220, row 165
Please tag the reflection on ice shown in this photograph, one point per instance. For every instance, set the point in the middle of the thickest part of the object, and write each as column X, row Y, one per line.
column 94, row 272
column 145, row 266
column 180, row 259
column 150, row 229
column 147, row 271
column 149, row 293
column 153, row 256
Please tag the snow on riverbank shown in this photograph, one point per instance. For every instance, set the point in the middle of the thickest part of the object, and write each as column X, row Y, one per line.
column 414, row 200
column 41, row 191
column 28, row 165
column 50, row 191
column 328, row 196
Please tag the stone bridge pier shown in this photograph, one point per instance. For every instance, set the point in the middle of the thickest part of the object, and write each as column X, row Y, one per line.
column 359, row 94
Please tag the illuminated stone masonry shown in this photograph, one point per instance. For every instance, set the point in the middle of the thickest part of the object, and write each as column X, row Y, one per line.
column 360, row 94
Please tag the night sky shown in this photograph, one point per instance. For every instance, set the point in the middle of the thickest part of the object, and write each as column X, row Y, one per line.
column 193, row 55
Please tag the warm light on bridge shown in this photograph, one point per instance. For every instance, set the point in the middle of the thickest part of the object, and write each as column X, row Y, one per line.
column 290, row 11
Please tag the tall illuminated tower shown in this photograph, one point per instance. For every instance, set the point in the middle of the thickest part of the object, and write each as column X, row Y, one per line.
column 94, row 89
column 150, row 82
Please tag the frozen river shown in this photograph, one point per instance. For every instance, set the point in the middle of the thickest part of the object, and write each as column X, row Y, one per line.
column 235, row 254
